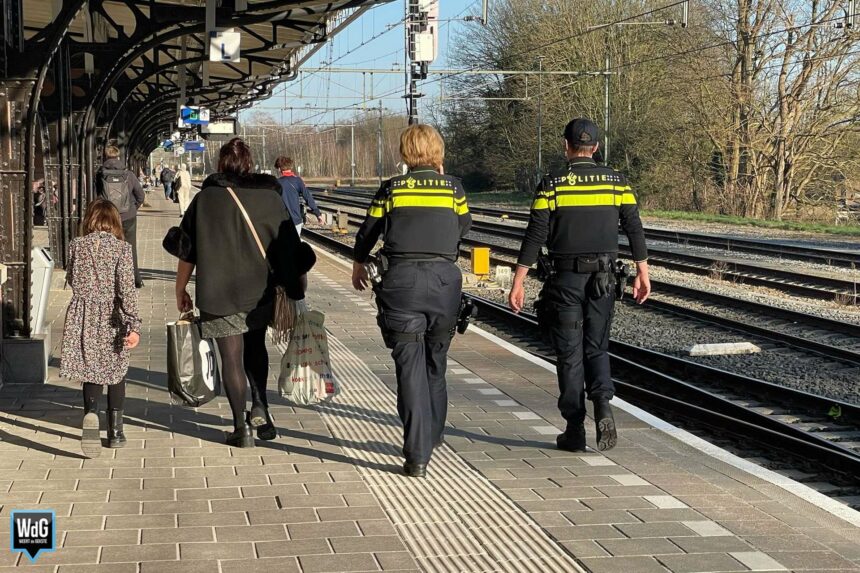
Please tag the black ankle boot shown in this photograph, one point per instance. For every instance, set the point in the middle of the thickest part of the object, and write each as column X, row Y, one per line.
column 573, row 438
column 242, row 436
column 607, row 435
column 116, row 437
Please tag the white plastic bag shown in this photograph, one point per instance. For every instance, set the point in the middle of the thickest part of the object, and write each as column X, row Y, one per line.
column 306, row 377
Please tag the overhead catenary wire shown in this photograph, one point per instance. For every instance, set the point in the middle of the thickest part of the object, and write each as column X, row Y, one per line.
column 523, row 52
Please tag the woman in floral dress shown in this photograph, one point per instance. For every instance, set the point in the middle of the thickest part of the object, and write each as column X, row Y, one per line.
column 102, row 322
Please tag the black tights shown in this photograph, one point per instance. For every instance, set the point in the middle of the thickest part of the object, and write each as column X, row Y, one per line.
column 244, row 358
column 92, row 393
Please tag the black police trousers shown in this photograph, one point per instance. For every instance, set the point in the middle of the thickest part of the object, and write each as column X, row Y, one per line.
column 577, row 327
column 418, row 304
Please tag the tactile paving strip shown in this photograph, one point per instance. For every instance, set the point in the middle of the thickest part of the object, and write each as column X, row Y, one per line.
column 453, row 520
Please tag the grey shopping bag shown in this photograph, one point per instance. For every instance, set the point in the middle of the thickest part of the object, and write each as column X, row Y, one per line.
column 193, row 373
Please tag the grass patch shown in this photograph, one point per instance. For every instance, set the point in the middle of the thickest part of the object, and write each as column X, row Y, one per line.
column 844, row 230
column 510, row 198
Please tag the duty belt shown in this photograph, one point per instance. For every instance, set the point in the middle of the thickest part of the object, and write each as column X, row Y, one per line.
column 584, row 264
column 394, row 259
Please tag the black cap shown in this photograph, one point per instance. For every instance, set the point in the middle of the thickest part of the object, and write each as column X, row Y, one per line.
column 581, row 131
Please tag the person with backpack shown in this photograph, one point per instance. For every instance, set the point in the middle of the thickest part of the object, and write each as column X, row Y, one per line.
column 293, row 187
column 120, row 186
column 167, row 177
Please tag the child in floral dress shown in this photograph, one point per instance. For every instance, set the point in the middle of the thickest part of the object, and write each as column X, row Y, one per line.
column 102, row 322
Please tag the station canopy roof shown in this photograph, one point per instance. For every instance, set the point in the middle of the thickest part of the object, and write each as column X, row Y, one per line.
column 141, row 47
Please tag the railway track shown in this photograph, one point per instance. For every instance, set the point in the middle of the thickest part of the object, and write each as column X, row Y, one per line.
column 830, row 339
column 803, row 284
column 777, row 250
column 815, row 431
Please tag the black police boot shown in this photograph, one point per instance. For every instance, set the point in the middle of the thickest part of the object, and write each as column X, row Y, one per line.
column 91, row 442
column 573, row 438
column 116, row 437
column 607, row 435
column 415, row 470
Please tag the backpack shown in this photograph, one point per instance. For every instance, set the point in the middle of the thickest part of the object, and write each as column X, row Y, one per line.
column 117, row 189
column 167, row 176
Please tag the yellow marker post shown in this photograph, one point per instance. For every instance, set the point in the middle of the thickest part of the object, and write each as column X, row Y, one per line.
column 481, row 261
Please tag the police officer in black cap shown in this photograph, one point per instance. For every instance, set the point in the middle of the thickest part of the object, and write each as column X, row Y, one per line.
column 422, row 216
column 575, row 214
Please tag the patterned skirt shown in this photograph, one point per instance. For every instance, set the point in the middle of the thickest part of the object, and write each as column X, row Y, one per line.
column 213, row 326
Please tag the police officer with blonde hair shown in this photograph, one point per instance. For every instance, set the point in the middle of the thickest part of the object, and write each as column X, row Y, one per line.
column 421, row 215
column 575, row 214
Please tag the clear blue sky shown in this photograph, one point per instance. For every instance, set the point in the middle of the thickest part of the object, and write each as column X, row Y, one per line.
column 373, row 41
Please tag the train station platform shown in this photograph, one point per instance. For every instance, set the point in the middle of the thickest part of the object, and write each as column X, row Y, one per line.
column 328, row 495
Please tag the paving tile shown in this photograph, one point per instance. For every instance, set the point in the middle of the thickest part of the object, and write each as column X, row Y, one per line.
column 338, row 563
column 396, row 561
column 707, row 528
column 784, row 543
column 178, row 535
column 374, row 544
column 326, row 529
column 139, row 521
column 600, row 516
column 217, row 550
column 108, row 508
column 203, row 566
column 701, row 563
column 211, row 519
column 570, row 533
column 618, row 564
column 652, row 515
column 808, row 560
column 99, row 568
column 129, row 553
column 758, row 561
column 350, row 513
column 643, row 546
column 268, row 565
column 712, row 544
column 291, row 515
column 312, row 546
column 251, row 533
column 64, row 556
column 99, row 538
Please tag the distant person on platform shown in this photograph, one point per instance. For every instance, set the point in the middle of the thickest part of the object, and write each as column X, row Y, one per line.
column 292, row 188
column 167, row 177
column 184, row 190
column 121, row 187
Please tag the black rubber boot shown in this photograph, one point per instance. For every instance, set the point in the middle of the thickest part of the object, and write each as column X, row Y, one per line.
column 415, row 470
column 91, row 442
column 573, row 438
column 604, row 422
column 116, row 438
column 242, row 436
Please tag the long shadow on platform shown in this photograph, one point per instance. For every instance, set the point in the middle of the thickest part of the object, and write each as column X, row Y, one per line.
column 186, row 422
column 160, row 274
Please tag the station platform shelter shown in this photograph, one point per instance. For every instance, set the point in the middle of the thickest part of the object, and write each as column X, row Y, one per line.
column 328, row 494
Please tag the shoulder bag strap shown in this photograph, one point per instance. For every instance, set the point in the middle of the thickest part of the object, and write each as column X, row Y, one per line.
column 250, row 224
